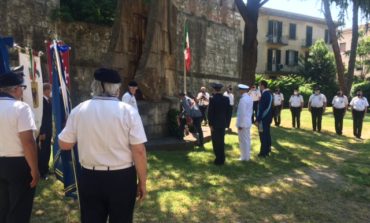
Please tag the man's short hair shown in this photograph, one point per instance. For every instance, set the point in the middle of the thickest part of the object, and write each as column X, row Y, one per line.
column 46, row 86
column 263, row 83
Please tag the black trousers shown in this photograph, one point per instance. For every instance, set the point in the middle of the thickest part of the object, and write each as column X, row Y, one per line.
column 203, row 109
column 108, row 193
column 229, row 115
column 218, row 143
column 198, row 129
column 265, row 139
column 358, row 118
column 44, row 154
column 338, row 116
column 277, row 112
column 16, row 195
column 255, row 110
column 316, row 114
column 296, row 116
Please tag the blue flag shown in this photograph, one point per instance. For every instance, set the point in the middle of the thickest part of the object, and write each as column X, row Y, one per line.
column 66, row 165
column 4, row 56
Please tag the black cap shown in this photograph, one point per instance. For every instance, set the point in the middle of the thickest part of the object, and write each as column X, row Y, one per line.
column 132, row 84
column 11, row 79
column 107, row 75
column 217, row 86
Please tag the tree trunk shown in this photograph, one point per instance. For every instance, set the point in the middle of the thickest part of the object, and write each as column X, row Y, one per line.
column 249, row 14
column 354, row 43
column 335, row 45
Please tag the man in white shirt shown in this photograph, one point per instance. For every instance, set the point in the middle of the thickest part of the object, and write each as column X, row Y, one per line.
column 110, row 137
column 19, row 173
column 340, row 105
column 296, row 104
column 359, row 105
column 203, row 102
column 229, row 93
column 316, row 105
column 256, row 96
column 129, row 96
column 278, row 106
column 244, row 122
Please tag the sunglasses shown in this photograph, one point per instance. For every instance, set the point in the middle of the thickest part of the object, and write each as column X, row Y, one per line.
column 24, row 87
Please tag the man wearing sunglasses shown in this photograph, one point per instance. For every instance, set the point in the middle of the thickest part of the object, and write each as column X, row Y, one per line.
column 19, row 172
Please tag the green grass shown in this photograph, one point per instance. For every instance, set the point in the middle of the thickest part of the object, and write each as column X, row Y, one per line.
column 310, row 177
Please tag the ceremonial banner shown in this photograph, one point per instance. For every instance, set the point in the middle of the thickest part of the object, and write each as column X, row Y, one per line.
column 33, row 94
column 66, row 164
column 4, row 56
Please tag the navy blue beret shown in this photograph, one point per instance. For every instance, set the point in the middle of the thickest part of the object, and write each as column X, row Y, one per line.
column 132, row 84
column 11, row 79
column 107, row 75
column 217, row 86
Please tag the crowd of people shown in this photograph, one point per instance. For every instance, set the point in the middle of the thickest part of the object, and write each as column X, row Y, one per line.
column 261, row 106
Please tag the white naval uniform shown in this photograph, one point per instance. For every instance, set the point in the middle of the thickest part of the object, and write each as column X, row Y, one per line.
column 130, row 99
column 104, row 128
column 359, row 104
column 296, row 101
column 244, row 121
column 15, row 117
column 230, row 96
column 339, row 102
column 278, row 99
column 317, row 100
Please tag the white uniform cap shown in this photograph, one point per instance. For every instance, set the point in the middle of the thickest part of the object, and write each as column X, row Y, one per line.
column 243, row 87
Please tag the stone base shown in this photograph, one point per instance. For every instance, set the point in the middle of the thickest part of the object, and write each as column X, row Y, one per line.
column 154, row 116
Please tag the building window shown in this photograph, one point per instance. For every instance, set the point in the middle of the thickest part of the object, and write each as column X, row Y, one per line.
column 292, row 31
column 274, row 60
column 309, row 36
column 327, row 37
column 275, row 31
column 342, row 47
column 291, row 58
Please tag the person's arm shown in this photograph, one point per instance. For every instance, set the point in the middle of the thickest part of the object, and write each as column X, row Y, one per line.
column 30, row 154
column 241, row 114
column 309, row 103
column 302, row 101
column 65, row 145
column 139, row 156
column 68, row 136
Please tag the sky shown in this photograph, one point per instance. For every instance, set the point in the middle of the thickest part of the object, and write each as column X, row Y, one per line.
column 308, row 7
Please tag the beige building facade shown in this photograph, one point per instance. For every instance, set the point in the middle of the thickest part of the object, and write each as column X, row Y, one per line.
column 285, row 36
column 345, row 48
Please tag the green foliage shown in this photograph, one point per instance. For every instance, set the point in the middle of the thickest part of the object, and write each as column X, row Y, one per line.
column 173, row 125
column 100, row 12
column 288, row 84
column 319, row 68
column 364, row 86
column 363, row 52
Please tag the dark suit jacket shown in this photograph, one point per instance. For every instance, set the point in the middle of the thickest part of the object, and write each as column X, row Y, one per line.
column 217, row 111
column 264, row 104
column 46, row 123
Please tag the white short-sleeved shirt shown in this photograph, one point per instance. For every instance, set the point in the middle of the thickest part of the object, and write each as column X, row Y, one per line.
column 340, row 102
column 317, row 100
column 296, row 101
column 15, row 117
column 130, row 99
column 278, row 99
column 359, row 104
column 203, row 102
column 104, row 128
column 230, row 96
column 255, row 94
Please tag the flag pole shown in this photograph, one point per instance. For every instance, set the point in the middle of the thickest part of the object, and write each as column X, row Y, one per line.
column 184, row 58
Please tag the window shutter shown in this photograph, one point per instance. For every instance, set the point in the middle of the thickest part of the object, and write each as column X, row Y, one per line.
column 292, row 31
column 269, row 60
column 287, row 57
column 280, row 30
column 295, row 57
column 270, row 28
column 278, row 59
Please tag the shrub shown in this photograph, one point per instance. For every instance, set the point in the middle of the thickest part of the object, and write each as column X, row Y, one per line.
column 364, row 86
column 173, row 126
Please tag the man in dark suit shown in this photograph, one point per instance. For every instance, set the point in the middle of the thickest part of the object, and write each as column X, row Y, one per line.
column 46, row 130
column 217, row 115
column 264, row 119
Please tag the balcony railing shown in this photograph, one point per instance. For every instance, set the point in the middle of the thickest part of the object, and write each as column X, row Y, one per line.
column 277, row 40
column 307, row 43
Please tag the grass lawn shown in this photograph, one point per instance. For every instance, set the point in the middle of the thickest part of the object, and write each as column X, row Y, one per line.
column 310, row 177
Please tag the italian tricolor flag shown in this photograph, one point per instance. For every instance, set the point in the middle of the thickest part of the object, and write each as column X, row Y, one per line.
column 186, row 46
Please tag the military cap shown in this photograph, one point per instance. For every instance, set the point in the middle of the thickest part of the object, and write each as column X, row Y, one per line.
column 107, row 75
column 132, row 84
column 217, row 86
column 243, row 87
column 10, row 79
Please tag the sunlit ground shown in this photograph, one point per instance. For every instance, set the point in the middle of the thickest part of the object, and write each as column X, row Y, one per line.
column 310, row 177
